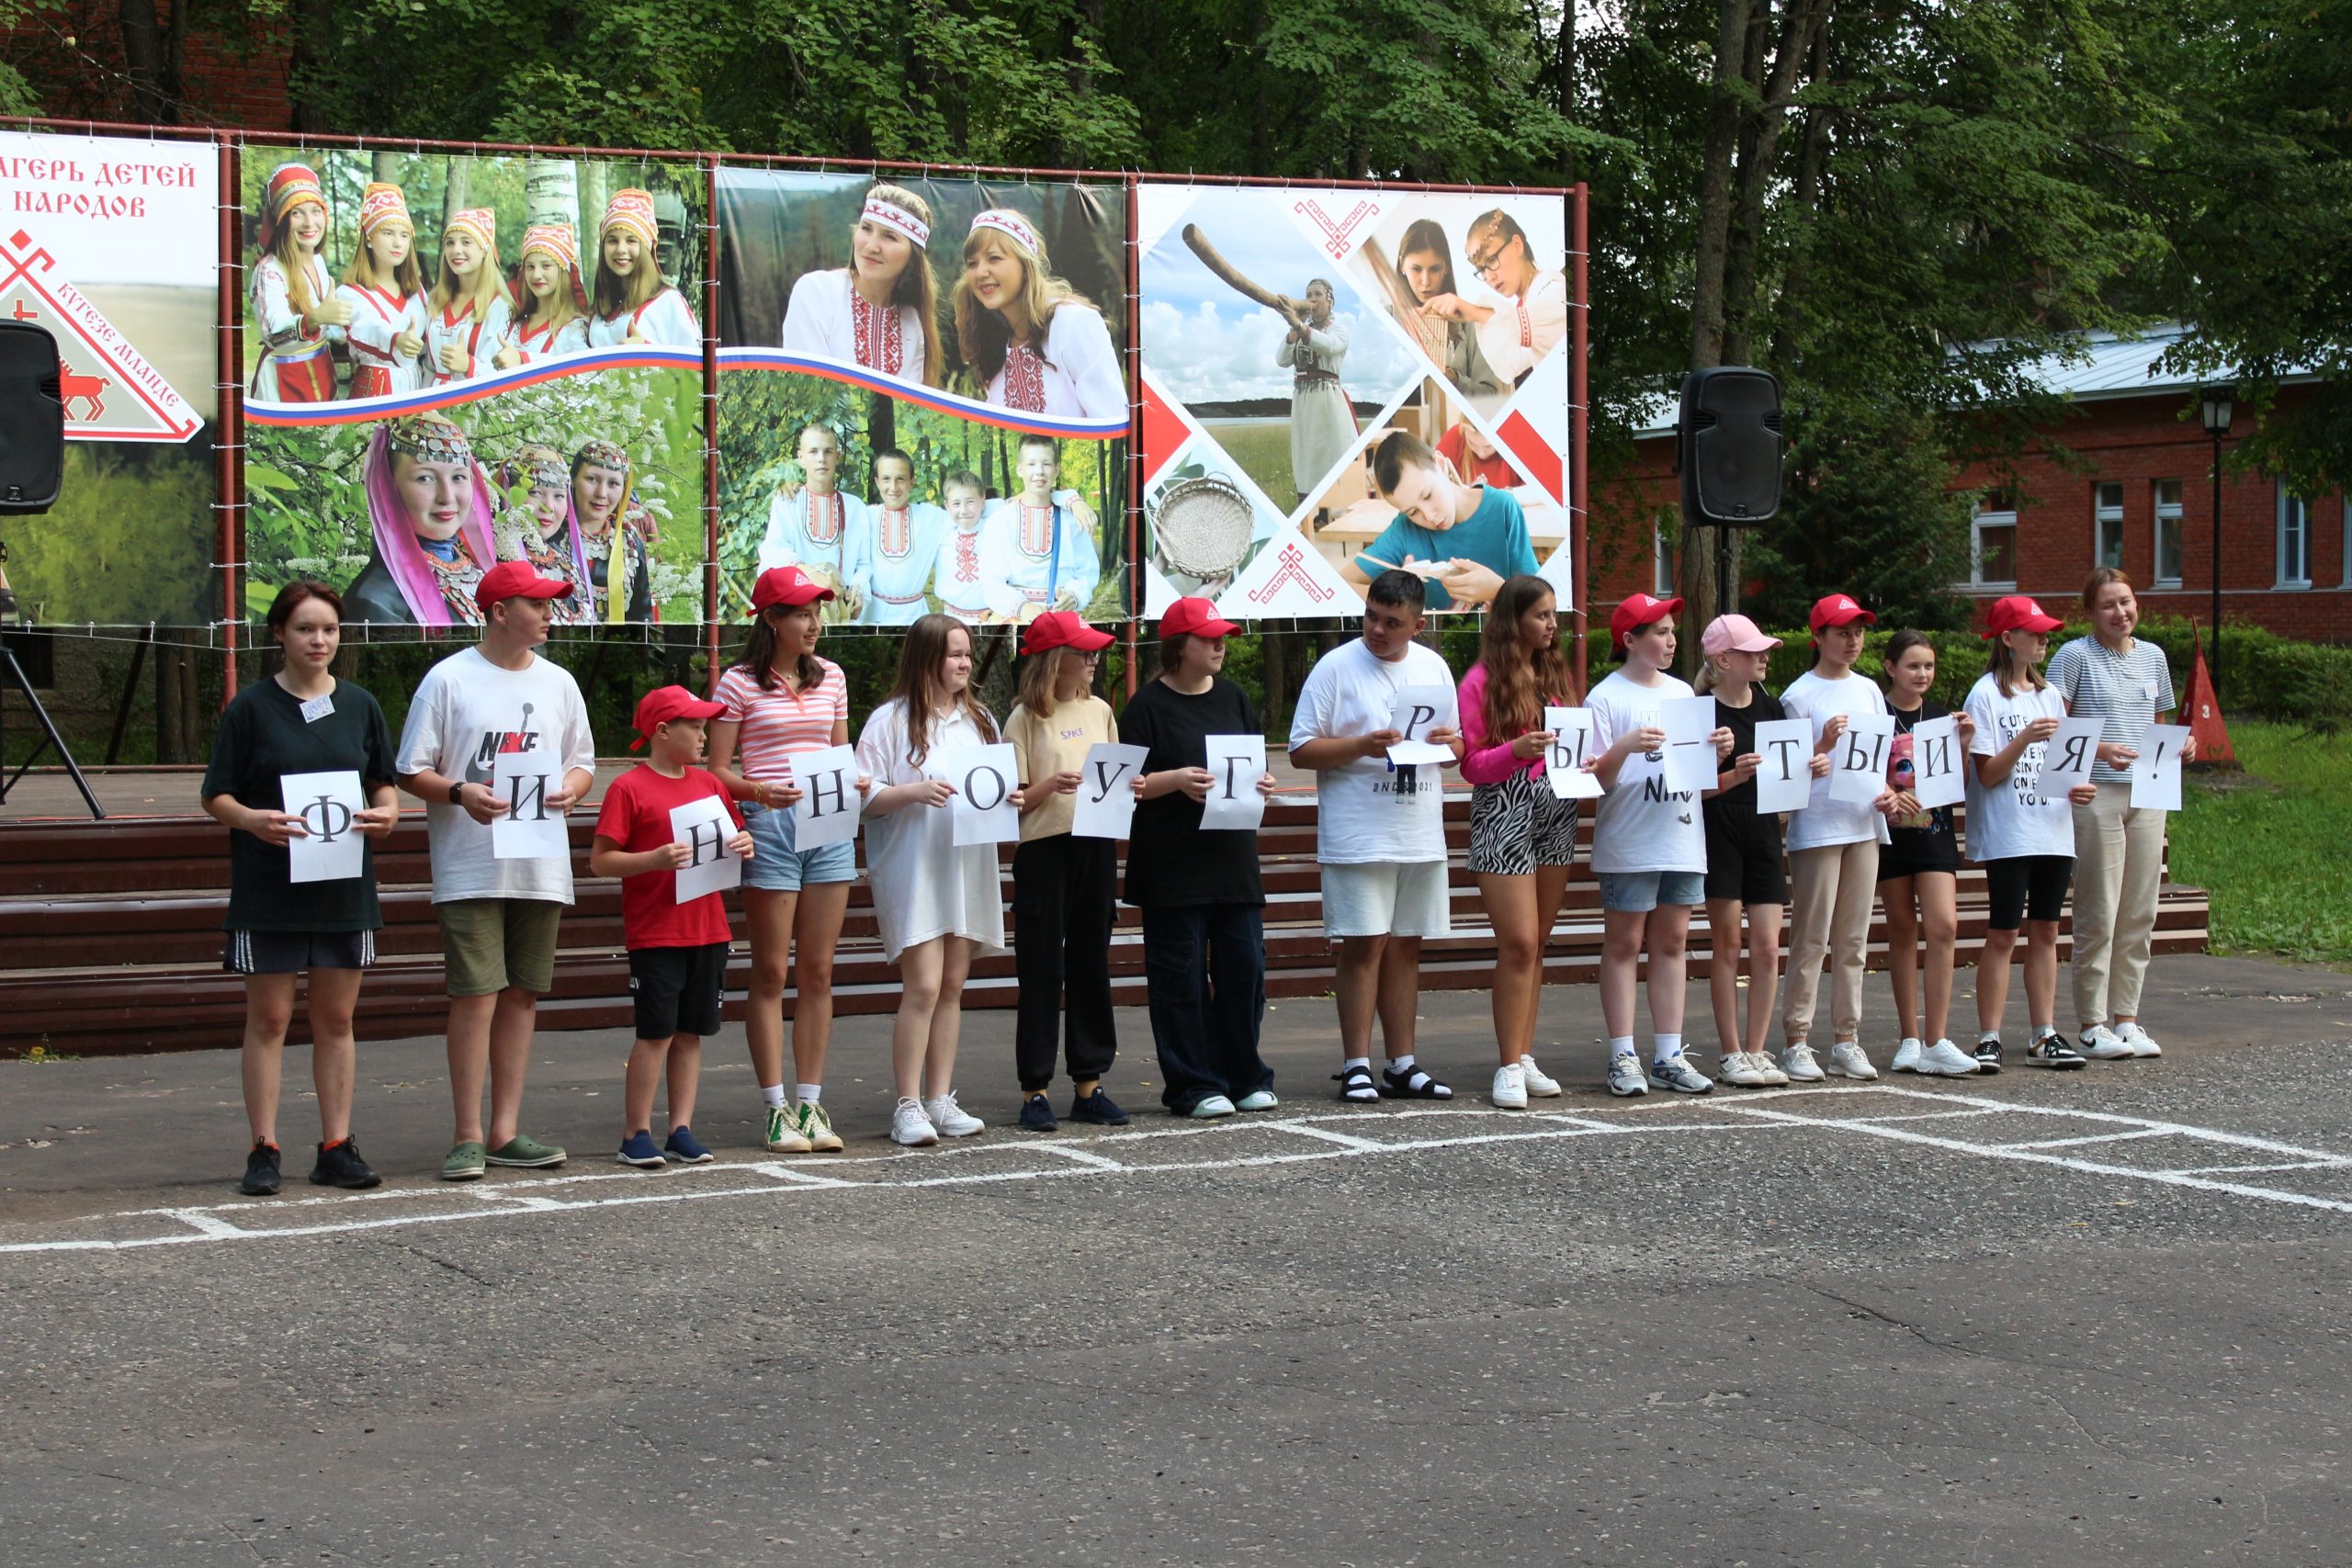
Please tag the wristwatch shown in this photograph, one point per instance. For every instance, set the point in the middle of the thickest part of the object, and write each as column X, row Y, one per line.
column 456, row 792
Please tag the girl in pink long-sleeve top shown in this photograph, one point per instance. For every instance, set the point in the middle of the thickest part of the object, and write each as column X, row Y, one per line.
column 1522, row 837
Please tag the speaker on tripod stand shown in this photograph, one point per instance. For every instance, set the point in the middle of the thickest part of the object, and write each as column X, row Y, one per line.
column 32, row 469
column 1727, row 451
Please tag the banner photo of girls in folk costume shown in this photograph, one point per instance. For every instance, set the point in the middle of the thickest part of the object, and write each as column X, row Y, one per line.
column 455, row 361
column 1386, row 371
column 923, row 400
column 110, row 247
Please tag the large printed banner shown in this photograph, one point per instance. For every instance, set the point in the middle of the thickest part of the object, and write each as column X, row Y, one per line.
column 923, row 398
column 1289, row 332
column 109, row 243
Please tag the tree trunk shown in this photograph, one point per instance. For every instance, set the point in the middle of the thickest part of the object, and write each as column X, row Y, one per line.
column 1724, row 116
column 551, row 193
column 313, row 28
column 143, row 51
column 1564, row 88
column 1804, row 24
column 453, row 194
column 1804, row 197
column 1275, row 666
column 175, row 720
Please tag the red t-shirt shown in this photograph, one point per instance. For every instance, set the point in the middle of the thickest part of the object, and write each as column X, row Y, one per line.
column 636, row 815
column 1495, row 469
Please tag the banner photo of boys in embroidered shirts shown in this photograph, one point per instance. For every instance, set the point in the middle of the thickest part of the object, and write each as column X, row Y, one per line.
column 923, row 399
column 454, row 361
column 1295, row 328
column 111, row 247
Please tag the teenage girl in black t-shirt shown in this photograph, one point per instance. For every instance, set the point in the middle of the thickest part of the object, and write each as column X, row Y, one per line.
column 1918, row 877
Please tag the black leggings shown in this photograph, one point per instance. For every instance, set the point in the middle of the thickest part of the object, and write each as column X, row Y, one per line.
column 2026, row 887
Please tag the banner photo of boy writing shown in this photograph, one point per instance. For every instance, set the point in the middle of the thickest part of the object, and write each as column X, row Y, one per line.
column 454, row 361
column 923, row 399
column 1386, row 371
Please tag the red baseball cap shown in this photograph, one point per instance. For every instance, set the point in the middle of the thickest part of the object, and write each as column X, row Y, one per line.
column 1194, row 617
column 786, row 585
column 1063, row 629
column 1840, row 610
column 2018, row 613
column 663, row 704
column 1638, row 610
column 516, row 579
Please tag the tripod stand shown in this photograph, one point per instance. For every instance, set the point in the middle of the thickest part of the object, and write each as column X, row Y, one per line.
column 12, row 675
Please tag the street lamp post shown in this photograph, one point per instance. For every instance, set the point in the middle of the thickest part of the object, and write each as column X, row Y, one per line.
column 2213, row 407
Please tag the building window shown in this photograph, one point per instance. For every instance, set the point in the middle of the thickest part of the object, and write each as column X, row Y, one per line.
column 1661, row 563
column 2294, row 540
column 2107, row 526
column 2168, row 549
column 1992, row 553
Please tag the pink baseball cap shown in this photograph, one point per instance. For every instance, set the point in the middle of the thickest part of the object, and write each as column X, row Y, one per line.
column 1727, row 634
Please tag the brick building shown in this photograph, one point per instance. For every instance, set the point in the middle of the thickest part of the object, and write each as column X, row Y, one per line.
column 2135, row 490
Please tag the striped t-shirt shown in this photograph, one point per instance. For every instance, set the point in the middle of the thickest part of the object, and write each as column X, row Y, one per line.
column 778, row 722
column 2128, row 690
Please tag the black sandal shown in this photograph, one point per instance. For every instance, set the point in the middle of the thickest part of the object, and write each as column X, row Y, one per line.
column 1412, row 1084
column 1351, row 1081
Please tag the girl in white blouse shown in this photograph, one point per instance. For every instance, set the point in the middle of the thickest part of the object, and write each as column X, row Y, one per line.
column 1029, row 337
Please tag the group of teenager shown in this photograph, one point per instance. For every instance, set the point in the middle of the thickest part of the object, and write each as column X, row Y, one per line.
column 1657, row 854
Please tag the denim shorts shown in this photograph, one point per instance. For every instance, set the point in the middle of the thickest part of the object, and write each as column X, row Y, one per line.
column 1638, row 892
column 777, row 867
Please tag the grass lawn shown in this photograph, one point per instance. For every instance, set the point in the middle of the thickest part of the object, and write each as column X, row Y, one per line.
column 2271, row 846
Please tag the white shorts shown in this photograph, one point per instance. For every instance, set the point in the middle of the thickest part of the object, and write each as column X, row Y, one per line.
column 1384, row 898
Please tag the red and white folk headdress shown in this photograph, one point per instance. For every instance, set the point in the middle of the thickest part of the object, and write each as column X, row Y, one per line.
column 479, row 224
column 631, row 209
column 898, row 218
column 380, row 204
column 291, row 186
column 1006, row 222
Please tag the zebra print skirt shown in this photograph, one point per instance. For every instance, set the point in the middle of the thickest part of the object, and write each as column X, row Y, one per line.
column 1518, row 825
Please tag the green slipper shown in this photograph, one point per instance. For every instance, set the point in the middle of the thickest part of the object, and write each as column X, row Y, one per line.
column 524, row 1150
column 464, row 1164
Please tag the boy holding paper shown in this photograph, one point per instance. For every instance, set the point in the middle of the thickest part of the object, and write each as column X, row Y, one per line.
column 498, row 916
column 677, row 947
column 1065, row 887
column 1198, row 889
column 1379, row 831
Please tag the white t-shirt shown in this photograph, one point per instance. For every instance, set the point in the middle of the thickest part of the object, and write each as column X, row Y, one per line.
column 1370, row 811
column 1825, row 821
column 1640, row 825
column 923, row 885
column 466, row 711
column 2011, row 819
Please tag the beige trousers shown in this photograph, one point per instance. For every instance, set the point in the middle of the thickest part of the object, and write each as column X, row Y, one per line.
column 2119, row 865
column 1830, row 890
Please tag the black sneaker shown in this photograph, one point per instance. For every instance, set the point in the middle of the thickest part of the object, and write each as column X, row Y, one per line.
column 261, row 1172
column 1099, row 1109
column 1038, row 1114
column 2053, row 1050
column 341, row 1167
column 1988, row 1055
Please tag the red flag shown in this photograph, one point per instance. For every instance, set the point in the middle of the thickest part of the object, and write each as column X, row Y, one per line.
column 2209, row 738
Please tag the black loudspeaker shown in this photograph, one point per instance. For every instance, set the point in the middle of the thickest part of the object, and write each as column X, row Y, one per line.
column 32, row 419
column 1729, row 446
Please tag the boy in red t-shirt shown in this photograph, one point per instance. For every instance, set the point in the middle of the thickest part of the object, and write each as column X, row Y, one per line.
column 677, row 952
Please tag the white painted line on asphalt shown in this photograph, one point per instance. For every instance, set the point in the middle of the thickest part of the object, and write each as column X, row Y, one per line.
column 2331, row 1162
column 1345, row 1139
column 1084, row 1156
column 208, row 1227
column 2092, row 1138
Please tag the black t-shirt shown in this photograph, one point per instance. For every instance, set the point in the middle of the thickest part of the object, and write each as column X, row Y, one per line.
column 1930, row 833
column 263, row 737
column 1171, row 862
column 1735, row 808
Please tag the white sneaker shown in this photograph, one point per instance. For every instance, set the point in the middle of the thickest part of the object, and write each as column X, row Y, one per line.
column 1509, row 1092
column 1257, row 1100
column 1625, row 1078
column 1209, row 1107
column 1945, row 1060
column 2132, row 1034
column 910, row 1126
column 1740, row 1070
column 1907, row 1054
column 1797, row 1062
column 1538, row 1085
column 952, row 1120
column 1846, row 1057
column 2102, row 1043
column 1768, row 1069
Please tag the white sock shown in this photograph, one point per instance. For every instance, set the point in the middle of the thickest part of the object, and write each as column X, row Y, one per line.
column 807, row 1092
column 1665, row 1046
column 1988, row 1036
column 1401, row 1065
column 773, row 1094
column 1363, row 1062
column 1620, row 1045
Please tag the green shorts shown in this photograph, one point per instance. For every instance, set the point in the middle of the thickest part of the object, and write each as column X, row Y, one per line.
column 494, row 943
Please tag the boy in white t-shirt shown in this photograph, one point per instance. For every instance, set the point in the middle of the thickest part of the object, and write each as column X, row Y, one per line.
column 1649, row 849
column 1379, row 833
column 498, row 917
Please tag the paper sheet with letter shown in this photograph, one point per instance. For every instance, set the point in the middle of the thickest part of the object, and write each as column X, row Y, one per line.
column 1858, row 762
column 1571, row 748
column 985, row 778
column 1236, row 763
column 1105, row 807
column 332, row 849
column 2156, row 771
column 1416, row 712
column 1938, row 764
column 829, row 806
column 2067, row 759
column 530, row 829
column 1689, row 725
column 705, row 826
column 1785, row 772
